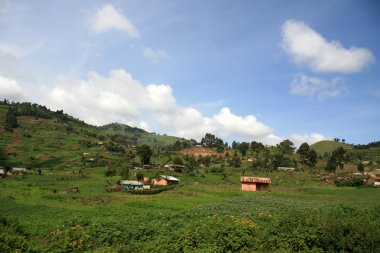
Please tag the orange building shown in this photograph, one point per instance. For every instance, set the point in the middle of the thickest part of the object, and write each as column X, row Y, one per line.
column 165, row 180
column 260, row 184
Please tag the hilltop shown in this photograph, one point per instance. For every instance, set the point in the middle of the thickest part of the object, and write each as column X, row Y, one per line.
column 328, row 146
column 137, row 136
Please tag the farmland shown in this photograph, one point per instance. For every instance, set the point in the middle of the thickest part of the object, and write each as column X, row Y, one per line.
column 303, row 211
column 299, row 213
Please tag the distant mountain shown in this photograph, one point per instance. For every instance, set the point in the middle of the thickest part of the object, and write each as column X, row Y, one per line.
column 328, row 146
column 137, row 136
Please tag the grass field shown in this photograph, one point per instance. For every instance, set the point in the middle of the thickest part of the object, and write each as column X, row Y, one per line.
column 203, row 214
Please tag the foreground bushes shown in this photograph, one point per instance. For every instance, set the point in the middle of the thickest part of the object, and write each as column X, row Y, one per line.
column 245, row 224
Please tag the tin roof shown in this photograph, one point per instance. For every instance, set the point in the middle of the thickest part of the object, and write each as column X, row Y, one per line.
column 169, row 178
column 255, row 180
column 130, row 182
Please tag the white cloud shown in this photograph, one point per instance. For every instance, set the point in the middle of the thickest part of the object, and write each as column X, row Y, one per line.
column 307, row 47
column 304, row 85
column 108, row 18
column 11, row 90
column 120, row 98
column 155, row 55
column 298, row 139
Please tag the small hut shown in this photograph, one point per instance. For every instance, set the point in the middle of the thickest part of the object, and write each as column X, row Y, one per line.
column 260, row 184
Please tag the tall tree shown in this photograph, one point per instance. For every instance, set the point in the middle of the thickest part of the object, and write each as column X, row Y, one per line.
column 11, row 119
column 145, row 153
column 303, row 151
column 286, row 147
column 243, row 148
column 312, row 158
column 257, row 146
column 337, row 159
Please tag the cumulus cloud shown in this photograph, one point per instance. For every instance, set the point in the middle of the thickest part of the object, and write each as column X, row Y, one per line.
column 11, row 90
column 155, row 55
column 120, row 98
column 108, row 18
column 298, row 139
column 309, row 48
column 304, row 85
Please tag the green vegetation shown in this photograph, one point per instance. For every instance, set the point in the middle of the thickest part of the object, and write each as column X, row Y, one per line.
column 203, row 214
column 304, row 211
column 323, row 147
column 137, row 137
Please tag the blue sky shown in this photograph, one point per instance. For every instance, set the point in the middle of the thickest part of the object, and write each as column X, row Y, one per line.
column 243, row 70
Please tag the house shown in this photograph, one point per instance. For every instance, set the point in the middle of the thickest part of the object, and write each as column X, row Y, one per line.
column 174, row 166
column 285, row 168
column 260, row 184
column 374, row 180
column 2, row 173
column 18, row 171
column 131, row 184
column 165, row 180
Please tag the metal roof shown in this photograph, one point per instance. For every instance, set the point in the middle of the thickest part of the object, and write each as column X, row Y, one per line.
column 264, row 180
column 170, row 178
column 130, row 182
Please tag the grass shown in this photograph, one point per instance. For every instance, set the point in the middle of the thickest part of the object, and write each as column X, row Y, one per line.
column 322, row 147
column 42, row 203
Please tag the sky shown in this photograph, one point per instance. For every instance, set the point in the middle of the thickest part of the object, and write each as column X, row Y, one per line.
column 242, row 70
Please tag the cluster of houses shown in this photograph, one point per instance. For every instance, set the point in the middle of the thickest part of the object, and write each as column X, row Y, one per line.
column 145, row 184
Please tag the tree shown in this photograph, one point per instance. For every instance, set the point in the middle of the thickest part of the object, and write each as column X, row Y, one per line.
column 243, row 148
column 303, row 151
column 312, row 158
column 235, row 161
column 286, row 147
column 123, row 170
column 360, row 167
column 337, row 159
column 257, row 146
column 139, row 175
column 111, row 170
column 145, row 153
column 11, row 119
column 211, row 141
column 281, row 160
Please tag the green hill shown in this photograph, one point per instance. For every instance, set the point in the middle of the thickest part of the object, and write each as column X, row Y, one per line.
column 328, row 146
column 137, row 136
column 45, row 138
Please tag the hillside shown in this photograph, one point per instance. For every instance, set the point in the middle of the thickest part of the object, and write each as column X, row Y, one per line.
column 137, row 136
column 328, row 146
column 46, row 138
column 49, row 139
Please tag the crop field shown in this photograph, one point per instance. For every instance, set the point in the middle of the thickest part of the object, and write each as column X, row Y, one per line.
column 203, row 214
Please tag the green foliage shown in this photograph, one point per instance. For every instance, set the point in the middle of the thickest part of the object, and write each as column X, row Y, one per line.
column 286, row 147
column 360, row 167
column 211, row 141
column 243, row 148
column 352, row 182
column 337, row 159
column 11, row 119
column 326, row 146
column 145, row 153
column 139, row 175
column 13, row 237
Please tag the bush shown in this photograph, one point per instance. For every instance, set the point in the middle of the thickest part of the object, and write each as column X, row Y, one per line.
column 354, row 182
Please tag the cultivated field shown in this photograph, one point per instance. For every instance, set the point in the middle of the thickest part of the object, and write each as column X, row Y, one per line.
column 203, row 214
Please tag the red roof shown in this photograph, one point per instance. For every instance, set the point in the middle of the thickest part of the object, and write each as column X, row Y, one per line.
column 255, row 180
